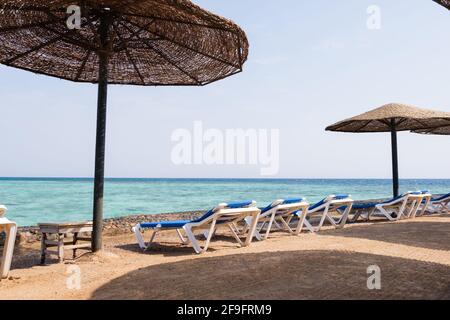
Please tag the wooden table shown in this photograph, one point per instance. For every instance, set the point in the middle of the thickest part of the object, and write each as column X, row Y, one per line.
column 61, row 232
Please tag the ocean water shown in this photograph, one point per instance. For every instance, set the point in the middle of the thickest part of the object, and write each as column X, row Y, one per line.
column 34, row 200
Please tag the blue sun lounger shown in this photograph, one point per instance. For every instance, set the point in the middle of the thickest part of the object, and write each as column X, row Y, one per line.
column 439, row 204
column 223, row 215
column 393, row 209
column 278, row 213
column 340, row 205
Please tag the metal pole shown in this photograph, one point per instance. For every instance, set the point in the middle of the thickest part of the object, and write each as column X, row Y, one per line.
column 395, row 179
column 100, row 139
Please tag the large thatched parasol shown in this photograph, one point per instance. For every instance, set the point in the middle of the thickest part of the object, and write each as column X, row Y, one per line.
column 392, row 118
column 139, row 42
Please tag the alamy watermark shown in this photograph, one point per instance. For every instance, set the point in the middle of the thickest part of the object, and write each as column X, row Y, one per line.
column 73, row 280
column 74, row 19
column 374, row 19
column 374, row 279
column 200, row 146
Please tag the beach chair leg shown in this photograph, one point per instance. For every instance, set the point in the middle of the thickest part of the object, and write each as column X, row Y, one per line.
column 303, row 222
column 182, row 238
column 249, row 223
column 370, row 213
column 411, row 213
column 425, row 206
column 193, row 240
column 251, row 231
column 403, row 207
column 415, row 209
column 137, row 230
column 61, row 247
column 445, row 207
column 387, row 214
column 289, row 219
column 235, row 235
column 286, row 225
column 74, row 242
column 43, row 247
column 330, row 219
column 152, row 238
column 343, row 221
column 355, row 217
column 269, row 226
column 8, row 250
column 322, row 219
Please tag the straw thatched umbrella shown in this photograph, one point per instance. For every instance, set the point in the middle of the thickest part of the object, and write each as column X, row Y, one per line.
column 442, row 131
column 138, row 42
column 392, row 118
column 444, row 3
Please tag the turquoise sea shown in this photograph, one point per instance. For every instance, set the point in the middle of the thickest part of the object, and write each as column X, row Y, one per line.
column 33, row 200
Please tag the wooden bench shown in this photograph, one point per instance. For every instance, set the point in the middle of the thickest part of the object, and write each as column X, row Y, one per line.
column 61, row 232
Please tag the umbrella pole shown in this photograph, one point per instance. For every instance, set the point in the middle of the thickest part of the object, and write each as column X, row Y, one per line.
column 100, row 141
column 395, row 178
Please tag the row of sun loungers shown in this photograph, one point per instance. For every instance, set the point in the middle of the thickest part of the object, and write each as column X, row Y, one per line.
column 246, row 221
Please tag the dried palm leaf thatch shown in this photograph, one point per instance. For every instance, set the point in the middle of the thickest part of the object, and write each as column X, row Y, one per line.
column 401, row 117
column 444, row 3
column 150, row 42
column 443, row 131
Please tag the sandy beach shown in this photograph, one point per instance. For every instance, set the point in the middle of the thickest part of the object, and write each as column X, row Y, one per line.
column 414, row 257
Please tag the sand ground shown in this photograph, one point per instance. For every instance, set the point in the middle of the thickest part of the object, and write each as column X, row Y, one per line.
column 413, row 255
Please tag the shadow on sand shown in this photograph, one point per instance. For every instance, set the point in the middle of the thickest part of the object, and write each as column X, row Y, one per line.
column 282, row 275
column 175, row 248
column 423, row 234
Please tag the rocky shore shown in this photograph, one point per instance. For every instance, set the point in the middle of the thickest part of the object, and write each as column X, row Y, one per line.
column 111, row 227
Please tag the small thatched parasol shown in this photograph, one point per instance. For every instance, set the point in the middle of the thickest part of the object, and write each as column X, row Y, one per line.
column 392, row 118
column 442, row 131
column 444, row 3
column 138, row 42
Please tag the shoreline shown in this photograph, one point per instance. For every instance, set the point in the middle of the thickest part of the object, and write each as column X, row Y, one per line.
column 113, row 226
column 123, row 224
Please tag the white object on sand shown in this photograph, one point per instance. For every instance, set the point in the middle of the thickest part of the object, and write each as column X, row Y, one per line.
column 10, row 229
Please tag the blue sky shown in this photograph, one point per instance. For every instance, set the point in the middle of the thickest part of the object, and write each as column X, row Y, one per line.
column 311, row 64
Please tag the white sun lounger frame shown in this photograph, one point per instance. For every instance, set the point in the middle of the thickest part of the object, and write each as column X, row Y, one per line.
column 439, row 206
column 418, row 201
column 10, row 229
column 280, row 213
column 399, row 206
column 324, row 212
column 221, row 218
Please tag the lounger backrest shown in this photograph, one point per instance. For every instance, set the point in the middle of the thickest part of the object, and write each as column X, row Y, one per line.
column 396, row 199
column 231, row 205
column 281, row 202
column 271, row 206
column 447, row 196
column 3, row 210
column 328, row 199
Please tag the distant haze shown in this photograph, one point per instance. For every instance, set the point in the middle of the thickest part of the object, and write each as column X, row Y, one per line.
column 311, row 64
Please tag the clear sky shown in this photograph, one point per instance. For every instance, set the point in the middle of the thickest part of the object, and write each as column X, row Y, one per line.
column 311, row 64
